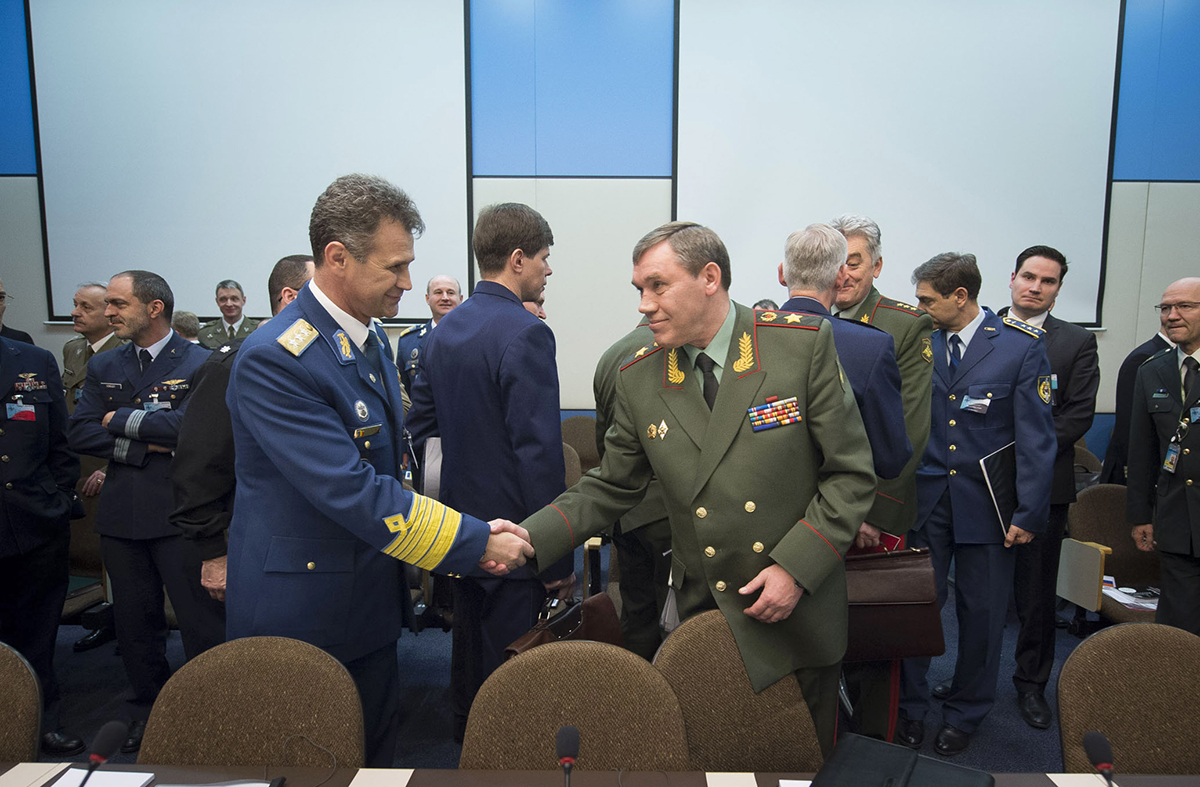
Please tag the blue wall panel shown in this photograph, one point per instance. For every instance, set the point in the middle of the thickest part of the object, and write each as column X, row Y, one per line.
column 17, row 155
column 572, row 88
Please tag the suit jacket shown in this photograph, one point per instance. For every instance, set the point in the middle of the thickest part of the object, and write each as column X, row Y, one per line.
column 1074, row 380
column 38, row 474
column 410, row 352
column 489, row 389
column 867, row 356
column 1005, row 365
column 147, row 407
column 895, row 508
column 1115, row 456
column 213, row 336
column 739, row 500
column 13, row 334
column 1168, row 500
column 320, row 519
column 75, row 358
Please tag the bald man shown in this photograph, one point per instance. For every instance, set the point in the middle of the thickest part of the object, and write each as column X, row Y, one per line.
column 442, row 294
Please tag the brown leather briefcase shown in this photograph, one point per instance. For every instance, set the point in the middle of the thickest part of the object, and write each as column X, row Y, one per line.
column 594, row 618
column 893, row 606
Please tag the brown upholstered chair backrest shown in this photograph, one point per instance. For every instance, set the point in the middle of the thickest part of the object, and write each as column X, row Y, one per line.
column 729, row 727
column 254, row 701
column 579, row 431
column 627, row 715
column 1087, row 460
column 1099, row 515
column 1139, row 684
column 20, row 709
column 571, row 460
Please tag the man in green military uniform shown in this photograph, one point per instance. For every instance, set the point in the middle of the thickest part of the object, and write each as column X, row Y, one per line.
column 873, row 687
column 233, row 324
column 747, row 421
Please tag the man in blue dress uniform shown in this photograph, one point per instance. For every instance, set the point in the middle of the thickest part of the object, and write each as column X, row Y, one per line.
column 489, row 389
column 986, row 370
column 442, row 294
column 321, row 521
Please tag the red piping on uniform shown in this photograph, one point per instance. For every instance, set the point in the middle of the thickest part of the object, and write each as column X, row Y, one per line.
column 889, row 497
column 564, row 516
column 823, row 538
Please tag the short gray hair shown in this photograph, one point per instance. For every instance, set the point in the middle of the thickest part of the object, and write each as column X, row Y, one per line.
column 350, row 211
column 230, row 284
column 854, row 226
column 812, row 258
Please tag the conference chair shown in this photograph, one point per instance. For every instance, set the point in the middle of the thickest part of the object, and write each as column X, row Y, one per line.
column 571, row 460
column 1087, row 467
column 1099, row 516
column 626, row 714
column 579, row 431
column 1138, row 683
column 257, row 701
column 729, row 727
column 20, row 709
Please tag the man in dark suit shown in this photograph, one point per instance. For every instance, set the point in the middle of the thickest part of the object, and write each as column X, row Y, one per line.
column 489, row 389
column 10, row 333
column 1164, row 459
column 231, row 298
column 442, row 294
column 133, row 400
column 1074, row 380
column 1113, row 471
column 202, row 474
column 727, row 407
column 37, row 490
column 986, row 370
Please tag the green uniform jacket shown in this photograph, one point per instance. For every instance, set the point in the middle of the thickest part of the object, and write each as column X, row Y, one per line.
column 895, row 508
column 738, row 500
column 75, row 358
column 212, row 334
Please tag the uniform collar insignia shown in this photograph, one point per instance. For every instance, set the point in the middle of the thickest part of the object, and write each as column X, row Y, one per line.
column 343, row 343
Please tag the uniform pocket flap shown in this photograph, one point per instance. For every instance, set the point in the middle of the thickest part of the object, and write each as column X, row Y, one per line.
column 291, row 555
column 989, row 390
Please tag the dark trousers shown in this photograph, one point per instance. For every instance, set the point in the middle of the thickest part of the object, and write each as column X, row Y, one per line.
column 489, row 614
column 33, row 587
column 984, row 577
column 138, row 570
column 1179, row 580
column 1035, row 584
column 377, row 676
column 819, row 685
column 643, row 569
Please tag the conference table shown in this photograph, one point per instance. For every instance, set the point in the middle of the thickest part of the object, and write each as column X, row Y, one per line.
column 44, row 774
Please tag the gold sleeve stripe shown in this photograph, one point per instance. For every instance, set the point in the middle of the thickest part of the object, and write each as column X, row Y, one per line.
column 425, row 536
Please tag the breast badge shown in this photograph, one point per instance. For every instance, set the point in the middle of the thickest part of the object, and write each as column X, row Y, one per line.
column 360, row 409
column 28, row 383
column 775, row 412
column 662, row 430
column 652, row 431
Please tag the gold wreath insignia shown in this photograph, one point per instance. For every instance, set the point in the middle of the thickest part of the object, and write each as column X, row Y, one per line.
column 866, row 318
column 745, row 354
column 768, row 316
column 674, row 375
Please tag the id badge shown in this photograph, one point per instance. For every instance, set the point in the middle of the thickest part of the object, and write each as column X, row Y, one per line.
column 1194, row 414
column 20, row 412
column 152, row 406
column 1172, row 458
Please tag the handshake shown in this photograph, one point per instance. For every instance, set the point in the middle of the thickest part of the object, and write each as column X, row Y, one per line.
column 508, row 547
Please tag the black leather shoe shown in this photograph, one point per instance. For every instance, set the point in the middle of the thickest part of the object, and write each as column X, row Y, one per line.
column 941, row 691
column 62, row 744
column 910, row 732
column 1034, row 709
column 134, row 741
column 951, row 741
column 94, row 639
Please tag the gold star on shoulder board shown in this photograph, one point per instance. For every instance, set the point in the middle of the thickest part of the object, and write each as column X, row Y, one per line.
column 793, row 318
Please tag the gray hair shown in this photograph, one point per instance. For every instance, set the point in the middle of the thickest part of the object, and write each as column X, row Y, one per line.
column 854, row 226
column 457, row 286
column 230, row 284
column 84, row 285
column 812, row 258
column 350, row 211
column 694, row 244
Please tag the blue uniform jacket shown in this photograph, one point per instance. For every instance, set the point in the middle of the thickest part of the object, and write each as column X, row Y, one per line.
column 410, row 352
column 489, row 388
column 320, row 521
column 148, row 408
column 869, row 357
column 1007, row 367
column 38, row 474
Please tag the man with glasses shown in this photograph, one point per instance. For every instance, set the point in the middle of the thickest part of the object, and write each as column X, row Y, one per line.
column 5, row 331
column 1164, row 458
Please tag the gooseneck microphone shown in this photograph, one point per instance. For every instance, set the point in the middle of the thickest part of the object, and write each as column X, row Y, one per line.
column 104, row 745
column 1099, row 754
column 566, row 746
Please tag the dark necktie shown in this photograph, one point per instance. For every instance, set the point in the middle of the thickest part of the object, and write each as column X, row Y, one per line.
column 955, row 352
column 230, row 332
column 1190, row 365
column 705, row 365
column 145, row 359
column 88, row 352
column 373, row 354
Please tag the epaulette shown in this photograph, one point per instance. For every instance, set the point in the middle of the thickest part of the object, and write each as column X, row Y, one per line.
column 1021, row 325
column 645, row 352
column 1161, row 352
column 408, row 330
column 900, row 306
column 298, row 337
column 782, row 319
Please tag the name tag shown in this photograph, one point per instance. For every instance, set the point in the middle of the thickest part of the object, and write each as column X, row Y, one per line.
column 971, row 404
column 1194, row 414
column 1172, row 458
column 20, row 412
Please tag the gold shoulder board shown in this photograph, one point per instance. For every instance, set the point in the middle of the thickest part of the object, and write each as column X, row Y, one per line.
column 297, row 338
column 1021, row 325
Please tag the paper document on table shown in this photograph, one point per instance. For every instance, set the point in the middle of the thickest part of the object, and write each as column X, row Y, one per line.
column 31, row 774
column 381, row 777
column 1131, row 601
column 794, row 783
column 1078, row 779
column 103, row 778
column 717, row 779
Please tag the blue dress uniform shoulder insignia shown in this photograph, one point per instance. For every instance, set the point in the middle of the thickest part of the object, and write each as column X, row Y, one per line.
column 407, row 330
column 298, row 337
column 1021, row 325
column 645, row 352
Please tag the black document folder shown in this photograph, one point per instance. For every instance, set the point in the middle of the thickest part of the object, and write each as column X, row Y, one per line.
column 1000, row 475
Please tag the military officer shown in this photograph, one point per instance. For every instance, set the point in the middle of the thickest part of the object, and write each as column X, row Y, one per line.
column 37, row 489
column 874, row 687
column 727, row 407
column 1113, row 471
column 1164, row 458
column 321, row 522
column 231, row 298
column 442, row 294
column 5, row 331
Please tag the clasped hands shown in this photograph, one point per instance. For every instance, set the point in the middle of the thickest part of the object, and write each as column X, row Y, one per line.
column 508, row 547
